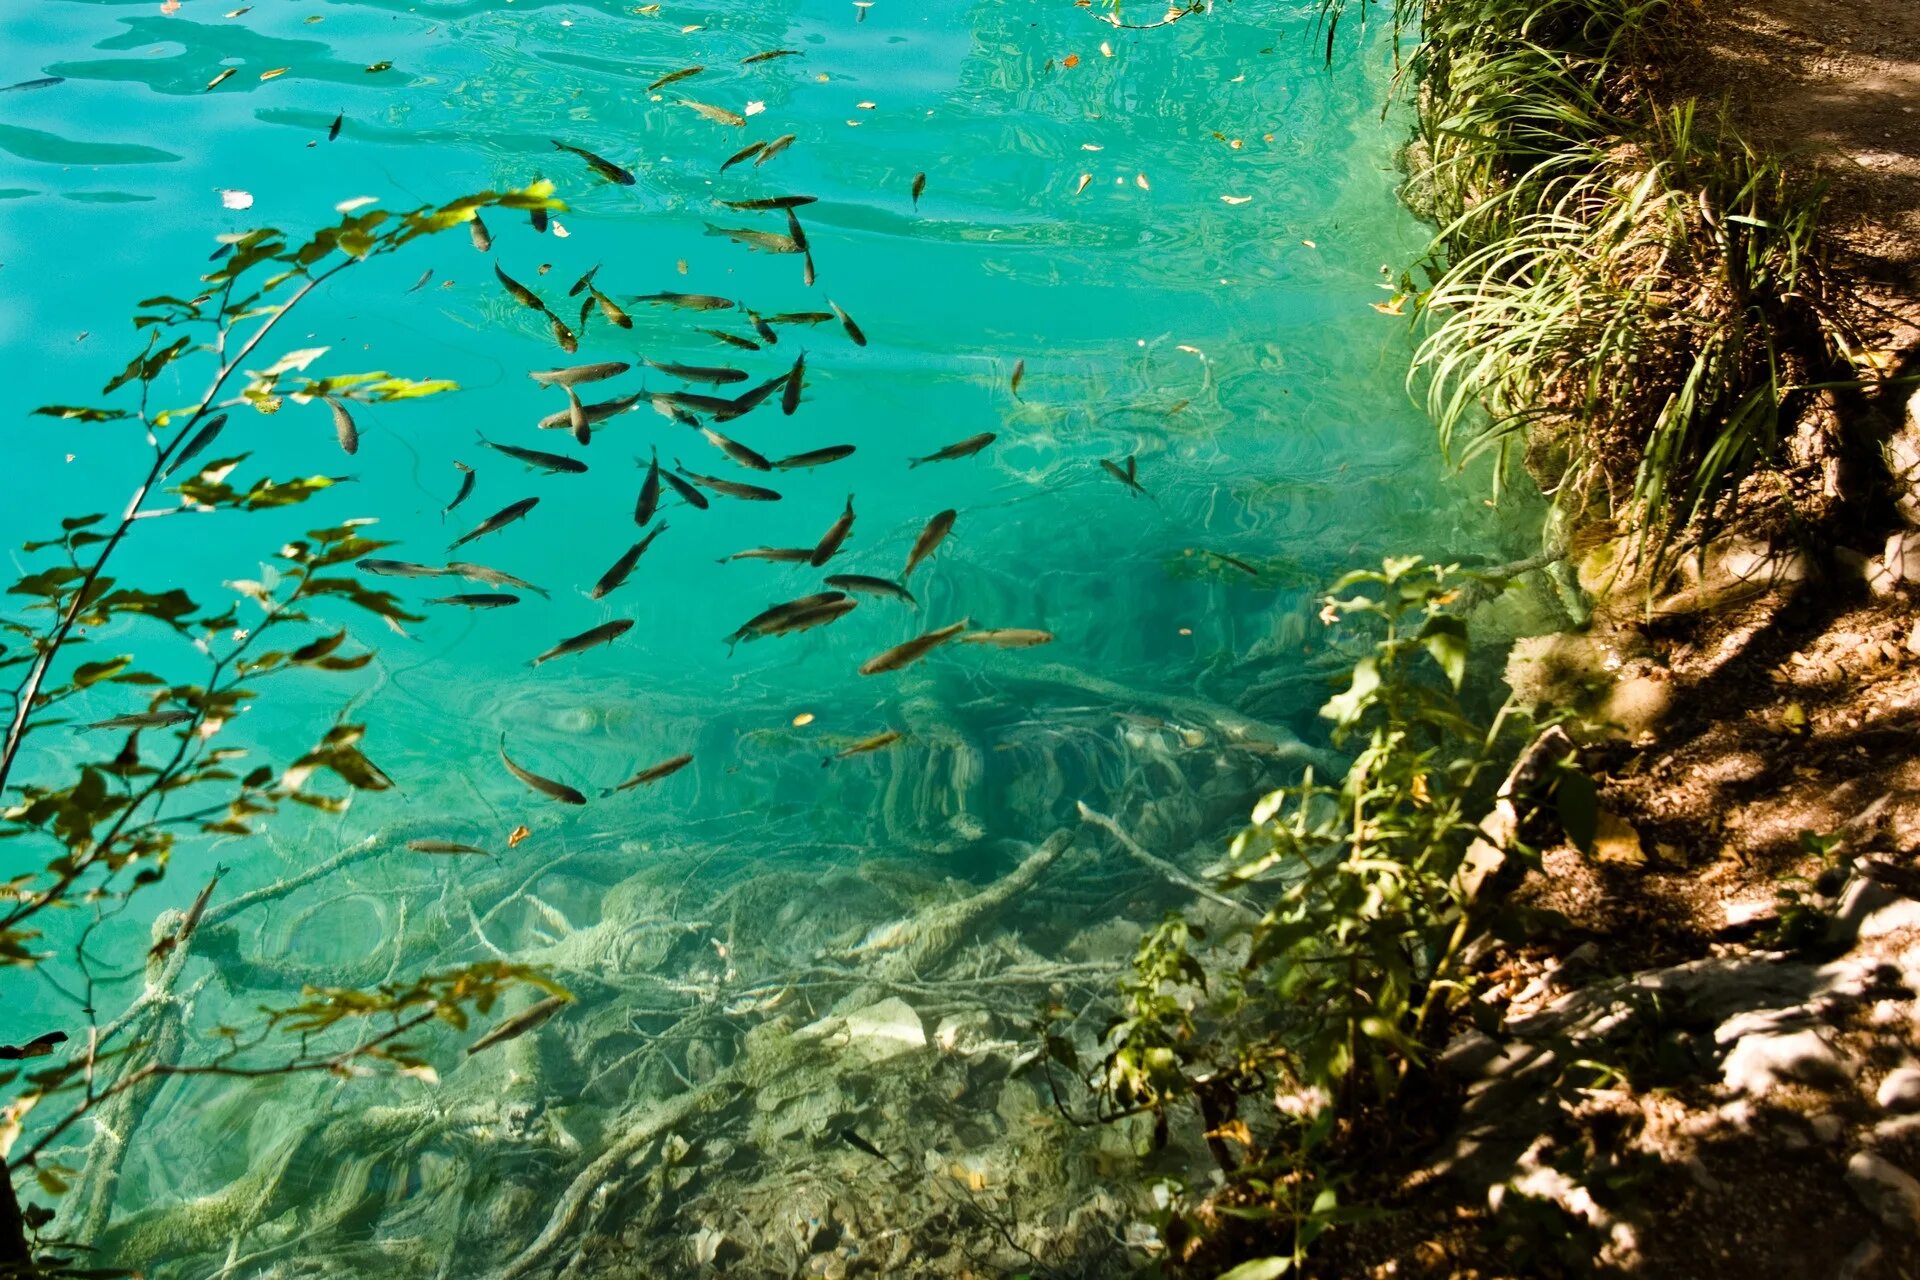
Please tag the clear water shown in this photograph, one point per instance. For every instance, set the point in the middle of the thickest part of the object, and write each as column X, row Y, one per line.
column 1228, row 344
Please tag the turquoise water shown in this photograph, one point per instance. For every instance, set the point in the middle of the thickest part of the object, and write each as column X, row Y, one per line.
column 1179, row 235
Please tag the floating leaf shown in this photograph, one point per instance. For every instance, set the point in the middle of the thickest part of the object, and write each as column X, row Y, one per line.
column 222, row 76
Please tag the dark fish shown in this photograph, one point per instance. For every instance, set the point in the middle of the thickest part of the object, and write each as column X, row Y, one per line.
column 774, row 148
column 446, row 846
column 201, row 439
column 610, row 309
column 814, row 457
column 919, row 188
column 697, row 373
column 520, row 293
column 747, row 152
column 719, row 115
column 343, row 428
column 769, row 56
column 671, row 76
column 853, row 330
column 605, row 633
column 801, row 317
column 577, row 419
column 538, row 217
column 832, row 540
column 790, row 394
column 728, row 488
column 142, row 720
column 757, row 625
column 649, row 501
column 771, row 202
column 690, row 301
column 599, row 411
column 584, row 282
column 466, row 487
column 47, row 82
column 777, row 555
column 47, row 1041
column 866, row 585
column 599, row 164
column 1236, row 562
column 479, row 600
column 421, row 283
column 611, row 580
column 732, row 339
column 561, row 334
column 860, row 748
column 747, row 401
column 688, row 494
column 529, row 1018
column 482, row 240
column 765, row 241
column 848, row 1136
column 574, row 375
column 1019, row 372
column 653, row 773
column 761, row 327
column 807, row 619
column 538, row 457
column 491, row 577
column 905, row 655
column 738, row 452
column 930, row 537
column 806, row 274
column 1125, row 475
column 497, row 521
column 398, row 569
column 673, row 412
column 1009, row 637
column 333, row 130
column 964, row 449
column 694, row 402
column 798, row 234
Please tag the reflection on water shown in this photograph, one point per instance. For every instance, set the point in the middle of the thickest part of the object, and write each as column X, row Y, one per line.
column 1179, row 231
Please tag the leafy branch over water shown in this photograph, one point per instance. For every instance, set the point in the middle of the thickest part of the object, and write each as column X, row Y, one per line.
column 106, row 826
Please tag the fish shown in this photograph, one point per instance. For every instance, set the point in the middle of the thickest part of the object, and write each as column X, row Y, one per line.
column 479, row 600
column 605, row 633
column 813, row 457
column 344, row 429
column 846, row 321
column 538, row 217
column 769, row 56
column 649, row 500
column 520, row 293
column 1126, row 475
column 563, row 335
column 653, row 773
column 747, row 152
column 688, row 301
column 1236, row 562
column 421, row 283
column 806, row 273
column 584, row 282
column 747, row 401
column 497, row 521
column 482, row 239
column 697, row 373
column 398, row 569
column 610, row 309
column 762, row 328
column 775, row 147
column 719, row 115
column 688, row 494
column 201, row 439
column 1019, row 372
column 732, row 339
column 771, row 202
column 599, row 164
column 738, row 452
column 728, row 488
column 690, row 402
column 446, row 846
column 886, row 738
column 611, row 580
column 765, row 241
column 574, row 375
column 905, row 655
column 807, row 619
column 801, row 317
column 759, row 622
column 963, row 449
column 47, row 1041
column 930, row 537
column 333, row 130
column 1009, row 637
column 524, row 1021
column 24, row 86
column 798, row 234
column 599, row 411
column 537, row 457
column 683, row 73
column 835, row 536
column 790, row 394
column 848, row 1136
column 778, row 555
column 142, row 720
column 872, row 586
column 491, row 577
column 919, row 188
column 577, row 419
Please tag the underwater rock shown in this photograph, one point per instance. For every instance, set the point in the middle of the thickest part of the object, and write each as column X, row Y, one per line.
column 873, row 1034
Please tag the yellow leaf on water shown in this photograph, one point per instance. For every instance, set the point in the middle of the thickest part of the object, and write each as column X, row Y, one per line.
column 515, row 836
column 1140, row 181
column 648, row 8
column 1085, row 178
column 805, row 717
column 1091, row 146
column 690, row 28
column 271, row 72
column 1310, row 244
column 1397, row 307
column 1071, row 61
column 233, row 198
column 222, row 76
column 1236, row 199
column 755, row 108
column 170, row 7
column 560, row 230
column 1106, row 50
column 864, row 106
column 822, row 77
column 681, row 266
column 348, row 206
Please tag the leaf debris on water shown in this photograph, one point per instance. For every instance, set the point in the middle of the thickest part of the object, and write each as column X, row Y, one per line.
column 233, row 198
column 1085, row 178
column 1236, row 199
column 222, row 76
column 271, row 72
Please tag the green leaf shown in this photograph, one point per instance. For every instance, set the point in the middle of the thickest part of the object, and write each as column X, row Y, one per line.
column 1260, row 1269
column 1445, row 638
column 1343, row 709
column 81, row 414
column 93, row 672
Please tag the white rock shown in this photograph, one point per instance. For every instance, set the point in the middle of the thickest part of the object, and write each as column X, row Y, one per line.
column 873, row 1034
column 1900, row 1091
column 1890, row 1194
column 1761, row 1063
column 1902, row 556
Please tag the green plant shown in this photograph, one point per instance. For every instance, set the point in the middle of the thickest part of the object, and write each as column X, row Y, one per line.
column 105, row 823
